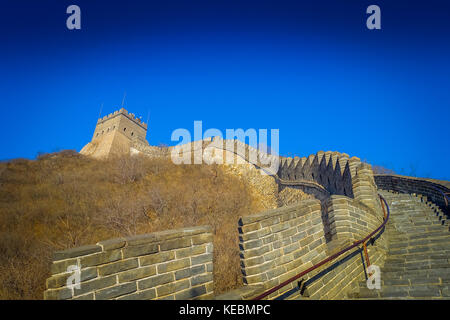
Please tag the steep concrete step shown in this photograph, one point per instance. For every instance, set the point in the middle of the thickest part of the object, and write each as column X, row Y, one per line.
column 418, row 256
column 433, row 288
column 413, row 250
column 417, row 236
column 443, row 273
column 405, row 292
column 413, row 258
column 437, row 242
column 417, row 265
column 409, row 200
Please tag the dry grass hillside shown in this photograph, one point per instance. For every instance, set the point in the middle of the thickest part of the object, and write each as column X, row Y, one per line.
column 65, row 200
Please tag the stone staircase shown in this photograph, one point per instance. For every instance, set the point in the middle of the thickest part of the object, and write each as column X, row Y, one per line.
column 417, row 264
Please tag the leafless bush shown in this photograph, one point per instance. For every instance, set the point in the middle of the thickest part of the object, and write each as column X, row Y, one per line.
column 64, row 200
column 381, row 170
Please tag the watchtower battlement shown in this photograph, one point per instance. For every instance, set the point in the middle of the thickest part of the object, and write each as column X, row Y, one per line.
column 116, row 133
column 121, row 121
column 125, row 113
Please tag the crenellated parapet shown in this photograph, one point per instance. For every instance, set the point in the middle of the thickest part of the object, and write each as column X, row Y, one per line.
column 333, row 170
column 336, row 172
column 125, row 113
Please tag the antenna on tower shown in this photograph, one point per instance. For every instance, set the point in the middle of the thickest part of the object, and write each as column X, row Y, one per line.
column 100, row 113
column 124, row 95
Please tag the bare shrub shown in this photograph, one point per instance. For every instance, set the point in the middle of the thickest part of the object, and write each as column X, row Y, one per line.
column 381, row 170
column 63, row 200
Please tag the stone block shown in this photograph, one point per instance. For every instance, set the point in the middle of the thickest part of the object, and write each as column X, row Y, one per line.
column 190, row 293
column 172, row 287
column 96, row 284
column 137, row 273
column 58, row 294
column 200, row 279
column 116, row 291
column 60, row 280
column 61, row 266
column 270, row 221
column 200, row 259
column 141, row 295
column 173, row 265
column 89, row 296
column 112, row 244
column 100, row 258
column 202, row 238
column 190, row 251
column 258, row 278
column 118, row 266
column 141, row 239
column 189, row 272
column 255, row 234
column 141, row 250
column 156, row 281
column 250, row 253
column 252, row 244
column 157, row 258
column 76, row 252
column 266, row 257
column 175, row 244
column 290, row 248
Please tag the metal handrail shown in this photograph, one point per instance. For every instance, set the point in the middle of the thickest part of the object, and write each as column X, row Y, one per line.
column 444, row 194
column 334, row 256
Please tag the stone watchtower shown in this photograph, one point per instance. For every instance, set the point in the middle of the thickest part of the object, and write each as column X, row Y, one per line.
column 115, row 134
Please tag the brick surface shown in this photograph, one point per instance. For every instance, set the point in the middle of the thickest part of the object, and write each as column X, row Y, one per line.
column 118, row 266
column 155, row 281
column 137, row 273
column 76, row 252
column 115, row 291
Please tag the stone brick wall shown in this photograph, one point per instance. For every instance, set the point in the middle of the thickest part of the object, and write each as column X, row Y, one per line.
column 403, row 184
column 364, row 187
column 309, row 187
column 174, row 264
column 279, row 244
column 349, row 219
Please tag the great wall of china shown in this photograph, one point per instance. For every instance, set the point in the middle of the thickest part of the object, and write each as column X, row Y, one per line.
column 411, row 247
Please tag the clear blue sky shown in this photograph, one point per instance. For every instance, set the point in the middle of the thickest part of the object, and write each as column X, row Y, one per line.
column 308, row 68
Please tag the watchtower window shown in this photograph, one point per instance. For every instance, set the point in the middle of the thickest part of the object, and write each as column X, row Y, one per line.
column 124, row 129
column 97, row 134
column 132, row 133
